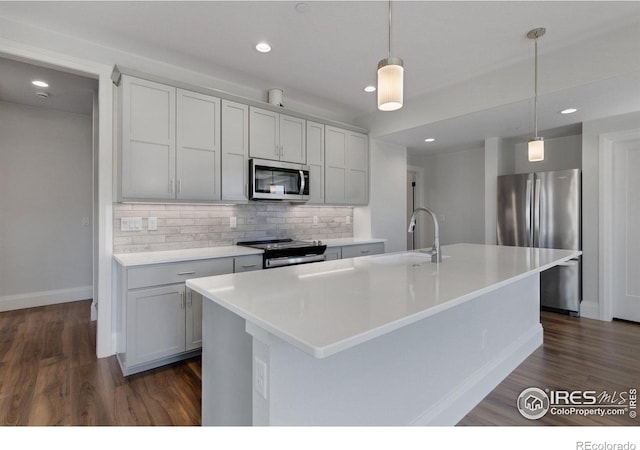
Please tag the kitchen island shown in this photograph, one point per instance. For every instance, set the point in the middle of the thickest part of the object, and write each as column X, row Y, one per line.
column 388, row 339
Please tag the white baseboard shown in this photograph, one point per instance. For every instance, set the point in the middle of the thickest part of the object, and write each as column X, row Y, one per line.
column 450, row 410
column 43, row 298
column 589, row 309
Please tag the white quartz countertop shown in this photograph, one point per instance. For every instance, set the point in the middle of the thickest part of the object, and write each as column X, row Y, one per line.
column 328, row 307
column 344, row 242
column 190, row 254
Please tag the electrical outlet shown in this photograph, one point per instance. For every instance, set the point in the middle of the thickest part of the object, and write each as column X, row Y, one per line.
column 152, row 223
column 135, row 223
column 260, row 377
column 233, row 221
column 315, row 220
column 348, row 220
column 85, row 221
column 124, row 224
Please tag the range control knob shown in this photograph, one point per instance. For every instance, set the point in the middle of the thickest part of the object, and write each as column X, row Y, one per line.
column 319, row 242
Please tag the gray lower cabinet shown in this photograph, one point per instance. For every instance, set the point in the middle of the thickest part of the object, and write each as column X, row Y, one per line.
column 159, row 318
column 353, row 251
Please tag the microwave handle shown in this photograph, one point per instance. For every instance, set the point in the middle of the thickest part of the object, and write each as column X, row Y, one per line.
column 301, row 182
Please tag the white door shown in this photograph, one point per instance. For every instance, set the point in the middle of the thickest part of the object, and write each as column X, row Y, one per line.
column 626, row 230
column 198, row 146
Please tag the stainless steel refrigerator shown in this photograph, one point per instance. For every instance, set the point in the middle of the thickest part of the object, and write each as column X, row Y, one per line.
column 543, row 209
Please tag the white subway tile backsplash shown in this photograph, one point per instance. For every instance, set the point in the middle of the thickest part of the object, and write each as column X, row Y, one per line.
column 192, row 226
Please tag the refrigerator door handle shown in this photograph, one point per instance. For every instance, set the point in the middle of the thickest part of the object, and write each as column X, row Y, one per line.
column 529, row 210
column 536, row 212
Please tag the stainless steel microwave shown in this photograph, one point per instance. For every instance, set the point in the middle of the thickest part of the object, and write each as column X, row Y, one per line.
column 278, row 181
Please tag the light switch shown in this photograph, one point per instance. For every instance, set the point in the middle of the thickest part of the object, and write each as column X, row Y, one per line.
column 233, row 221
column 135, row 223
column 152, row 223
column 124, row 224
column 260, row 377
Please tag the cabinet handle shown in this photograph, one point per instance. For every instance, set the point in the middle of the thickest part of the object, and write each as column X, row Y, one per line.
column 277, row 149
column 182, row 300
column 364, row 252
column 171, row 184
column 179, row 186
column 282, row 150
column 189, row 299
column 248, row 266
column 186, row 273
column 246, row 189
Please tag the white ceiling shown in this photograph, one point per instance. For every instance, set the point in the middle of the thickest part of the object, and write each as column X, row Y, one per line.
column 326, row 54
column 66, row 91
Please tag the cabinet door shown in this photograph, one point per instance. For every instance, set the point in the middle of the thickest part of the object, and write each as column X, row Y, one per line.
column 357, row 169
column 193, row 317
column 333, row 253
column 335, row 166
column 235, row 151
column 315, row 161
column 264, row 134
column 148, row 139
column 198, row 146
column 155, row 323
column 353, row 251
column 293, row 144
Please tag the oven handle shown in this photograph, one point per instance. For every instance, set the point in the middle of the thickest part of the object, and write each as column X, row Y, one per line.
column 301, row 182
column 289, row 261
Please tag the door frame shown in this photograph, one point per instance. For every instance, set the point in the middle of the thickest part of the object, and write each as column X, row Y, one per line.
column 605, row 248
column 105, row 337
column 419, row 199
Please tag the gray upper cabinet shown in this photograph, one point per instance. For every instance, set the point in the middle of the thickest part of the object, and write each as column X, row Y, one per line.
column 315, row 161
column 170, row 143
column 148, row 139
column 276, row 136
column 235, row 151
column 357, row 168
column 198, row 146
column 346, row 167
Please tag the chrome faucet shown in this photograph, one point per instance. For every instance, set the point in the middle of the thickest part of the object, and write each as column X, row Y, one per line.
column 436, row 254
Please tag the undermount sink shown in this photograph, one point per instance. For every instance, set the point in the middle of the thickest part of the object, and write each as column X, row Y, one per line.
column 403, row 258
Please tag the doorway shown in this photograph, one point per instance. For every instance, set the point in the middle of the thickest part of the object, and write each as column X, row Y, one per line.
column 47, row 160
column 620, row 219
column 626, row 230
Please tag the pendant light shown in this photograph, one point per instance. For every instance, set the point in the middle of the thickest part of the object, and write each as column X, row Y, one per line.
column 536, row 145
column 390, row 79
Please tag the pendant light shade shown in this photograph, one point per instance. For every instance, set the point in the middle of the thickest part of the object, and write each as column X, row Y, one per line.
column 390, row 79
column 390, row 84
column 536, row 145
column 536, row 149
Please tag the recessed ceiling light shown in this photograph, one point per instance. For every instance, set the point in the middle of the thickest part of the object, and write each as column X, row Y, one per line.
column 370, row 88
column 263, row 47
column 429, row 140
column 40, row 83
column 568, row 111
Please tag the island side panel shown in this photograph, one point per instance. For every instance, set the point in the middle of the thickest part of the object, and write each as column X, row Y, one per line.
column 226, row 367
column 432, row 372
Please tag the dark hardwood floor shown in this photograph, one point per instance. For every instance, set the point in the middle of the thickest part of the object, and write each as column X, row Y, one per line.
column 49, row 374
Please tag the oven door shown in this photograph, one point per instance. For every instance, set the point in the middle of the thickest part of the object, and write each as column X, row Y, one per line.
column 273, row 180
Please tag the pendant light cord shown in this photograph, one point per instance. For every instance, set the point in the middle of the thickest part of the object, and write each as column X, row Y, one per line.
column 389, row 48
column 535, row 98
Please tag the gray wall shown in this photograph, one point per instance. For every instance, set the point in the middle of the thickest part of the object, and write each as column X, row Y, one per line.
column 385, row 216
column 455, row 187
column 45, row 191
column 559, row 154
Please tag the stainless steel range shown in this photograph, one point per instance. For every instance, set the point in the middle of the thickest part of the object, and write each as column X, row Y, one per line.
column 287, row 252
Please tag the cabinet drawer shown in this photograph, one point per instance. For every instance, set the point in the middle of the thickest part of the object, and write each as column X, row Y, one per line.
column 353, row 251
column 332, row 253
column 161, row 274
column 247, row 263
